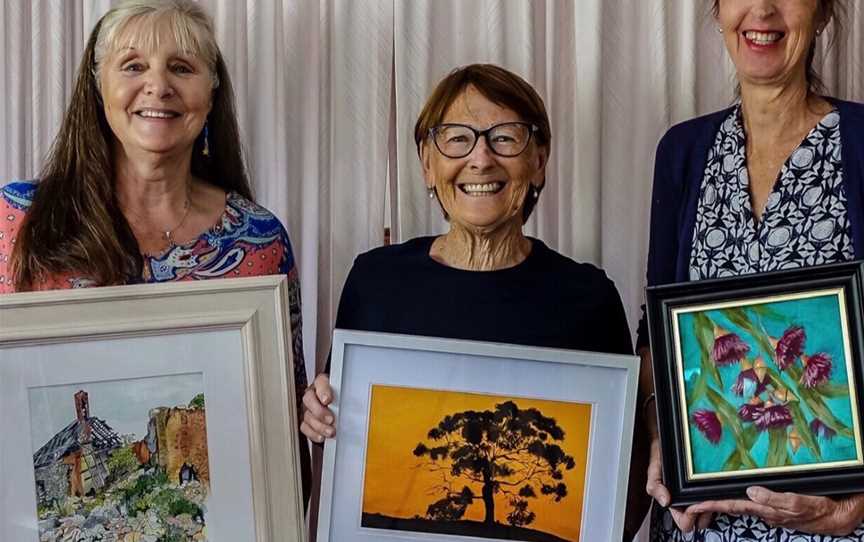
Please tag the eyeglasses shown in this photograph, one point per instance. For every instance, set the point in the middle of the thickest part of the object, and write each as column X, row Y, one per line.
column 508, row 139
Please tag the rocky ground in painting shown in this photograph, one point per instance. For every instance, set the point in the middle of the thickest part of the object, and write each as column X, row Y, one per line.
column 141, row 508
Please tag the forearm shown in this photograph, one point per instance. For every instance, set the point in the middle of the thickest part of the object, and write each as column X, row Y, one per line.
column 638, row 501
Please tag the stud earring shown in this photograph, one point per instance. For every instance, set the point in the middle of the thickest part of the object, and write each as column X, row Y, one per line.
column 206, row 150
column 536, row 193
column 431, row 192
column 719, row 30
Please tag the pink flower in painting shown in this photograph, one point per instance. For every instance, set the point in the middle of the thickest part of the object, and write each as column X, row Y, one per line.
column 750, row 411
column 817, row 369
column 819, row 429
column 709, row 424
column 790, row 346
column 773, row 417
column 748, row 383
column 728, row 347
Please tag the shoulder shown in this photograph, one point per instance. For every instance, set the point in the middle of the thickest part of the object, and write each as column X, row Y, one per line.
column 19, row 194
column 696, row 132
column 400, row 255
column 251, row 218
column 585, row 276
column 851, row 119
column 848, row 108
column 15, row 199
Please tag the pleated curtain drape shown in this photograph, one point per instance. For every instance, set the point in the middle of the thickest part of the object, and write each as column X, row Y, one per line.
column 328, row 92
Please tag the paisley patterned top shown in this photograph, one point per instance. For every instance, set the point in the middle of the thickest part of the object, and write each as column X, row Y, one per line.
column 248, row 240
column 805, row 223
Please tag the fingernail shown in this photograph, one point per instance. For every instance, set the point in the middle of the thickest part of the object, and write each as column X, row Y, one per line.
column 329, row 432
column 754, row 493
column 325, row 398
column 328, row 419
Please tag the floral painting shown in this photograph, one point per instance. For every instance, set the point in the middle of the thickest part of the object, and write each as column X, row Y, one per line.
column 767, row 386
column 468, row 464
column 121, row 460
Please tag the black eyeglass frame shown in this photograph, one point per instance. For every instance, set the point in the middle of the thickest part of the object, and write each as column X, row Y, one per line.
column 532, row 128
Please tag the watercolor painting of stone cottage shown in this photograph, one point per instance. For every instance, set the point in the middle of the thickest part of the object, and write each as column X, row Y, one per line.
column 134, row 467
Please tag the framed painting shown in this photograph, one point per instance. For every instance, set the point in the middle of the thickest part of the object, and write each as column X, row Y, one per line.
column 759, row 382
column 442, row 439
column 149, row 412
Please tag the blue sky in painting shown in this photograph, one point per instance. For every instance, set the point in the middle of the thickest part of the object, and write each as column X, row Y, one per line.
column 122, row 404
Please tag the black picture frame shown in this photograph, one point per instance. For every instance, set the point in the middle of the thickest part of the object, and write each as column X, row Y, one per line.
column 777, row 392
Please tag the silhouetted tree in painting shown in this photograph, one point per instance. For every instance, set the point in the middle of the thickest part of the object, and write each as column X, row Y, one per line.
column 507, row 450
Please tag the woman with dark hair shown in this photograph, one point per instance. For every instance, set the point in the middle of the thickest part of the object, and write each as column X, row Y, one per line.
column 483, row 140
column 775, row 182
column 145, row 181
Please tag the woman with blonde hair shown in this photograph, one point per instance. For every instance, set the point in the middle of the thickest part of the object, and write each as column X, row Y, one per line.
column 145, row 181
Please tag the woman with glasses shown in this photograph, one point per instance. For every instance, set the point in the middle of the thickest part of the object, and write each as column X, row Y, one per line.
column 483, row 140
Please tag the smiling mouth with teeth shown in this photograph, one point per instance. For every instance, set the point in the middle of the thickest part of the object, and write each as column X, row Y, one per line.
column 482, row 189
column 154, row 114
column 763, row 38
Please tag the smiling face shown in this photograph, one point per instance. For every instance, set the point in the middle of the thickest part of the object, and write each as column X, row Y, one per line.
column 769, row 40
column 482, row 191
column 156, row 99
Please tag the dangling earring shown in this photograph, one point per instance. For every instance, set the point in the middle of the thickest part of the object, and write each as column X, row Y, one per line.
column 206, row 150
column 431, row 192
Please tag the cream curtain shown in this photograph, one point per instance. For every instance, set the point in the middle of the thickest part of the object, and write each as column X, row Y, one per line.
column 614, row 74
column 328, row 92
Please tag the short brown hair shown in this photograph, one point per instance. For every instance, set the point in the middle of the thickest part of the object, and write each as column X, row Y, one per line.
column 498, row 85
column 830, row 11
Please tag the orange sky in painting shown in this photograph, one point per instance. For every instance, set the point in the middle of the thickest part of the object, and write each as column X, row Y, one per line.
column 397, row 485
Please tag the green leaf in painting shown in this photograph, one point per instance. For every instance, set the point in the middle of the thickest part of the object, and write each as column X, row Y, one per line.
column 804, row 430
column 764, row 311
column 740, row 318
column 817, row 405
column 734, row 461
column 704, row 329
column 729, row 418
column 698, row 390
column 778, row 449
column 832, row 390
column 814, row 400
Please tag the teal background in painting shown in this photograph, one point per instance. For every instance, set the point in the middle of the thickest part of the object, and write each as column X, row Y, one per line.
column 820, row 318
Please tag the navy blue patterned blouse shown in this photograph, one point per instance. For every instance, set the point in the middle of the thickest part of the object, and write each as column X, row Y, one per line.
column 805, row 223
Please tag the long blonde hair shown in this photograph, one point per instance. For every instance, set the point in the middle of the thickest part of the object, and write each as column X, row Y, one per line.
column 75, row 223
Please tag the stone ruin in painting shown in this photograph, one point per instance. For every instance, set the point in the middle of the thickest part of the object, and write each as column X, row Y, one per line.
column 94, row 485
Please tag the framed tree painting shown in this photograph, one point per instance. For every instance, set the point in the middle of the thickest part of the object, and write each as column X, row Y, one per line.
column 151, row 412
column 442, row 439
column 759, row 381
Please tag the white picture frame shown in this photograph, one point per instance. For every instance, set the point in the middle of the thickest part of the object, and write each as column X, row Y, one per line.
column 234, row 333
column 368, row 368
